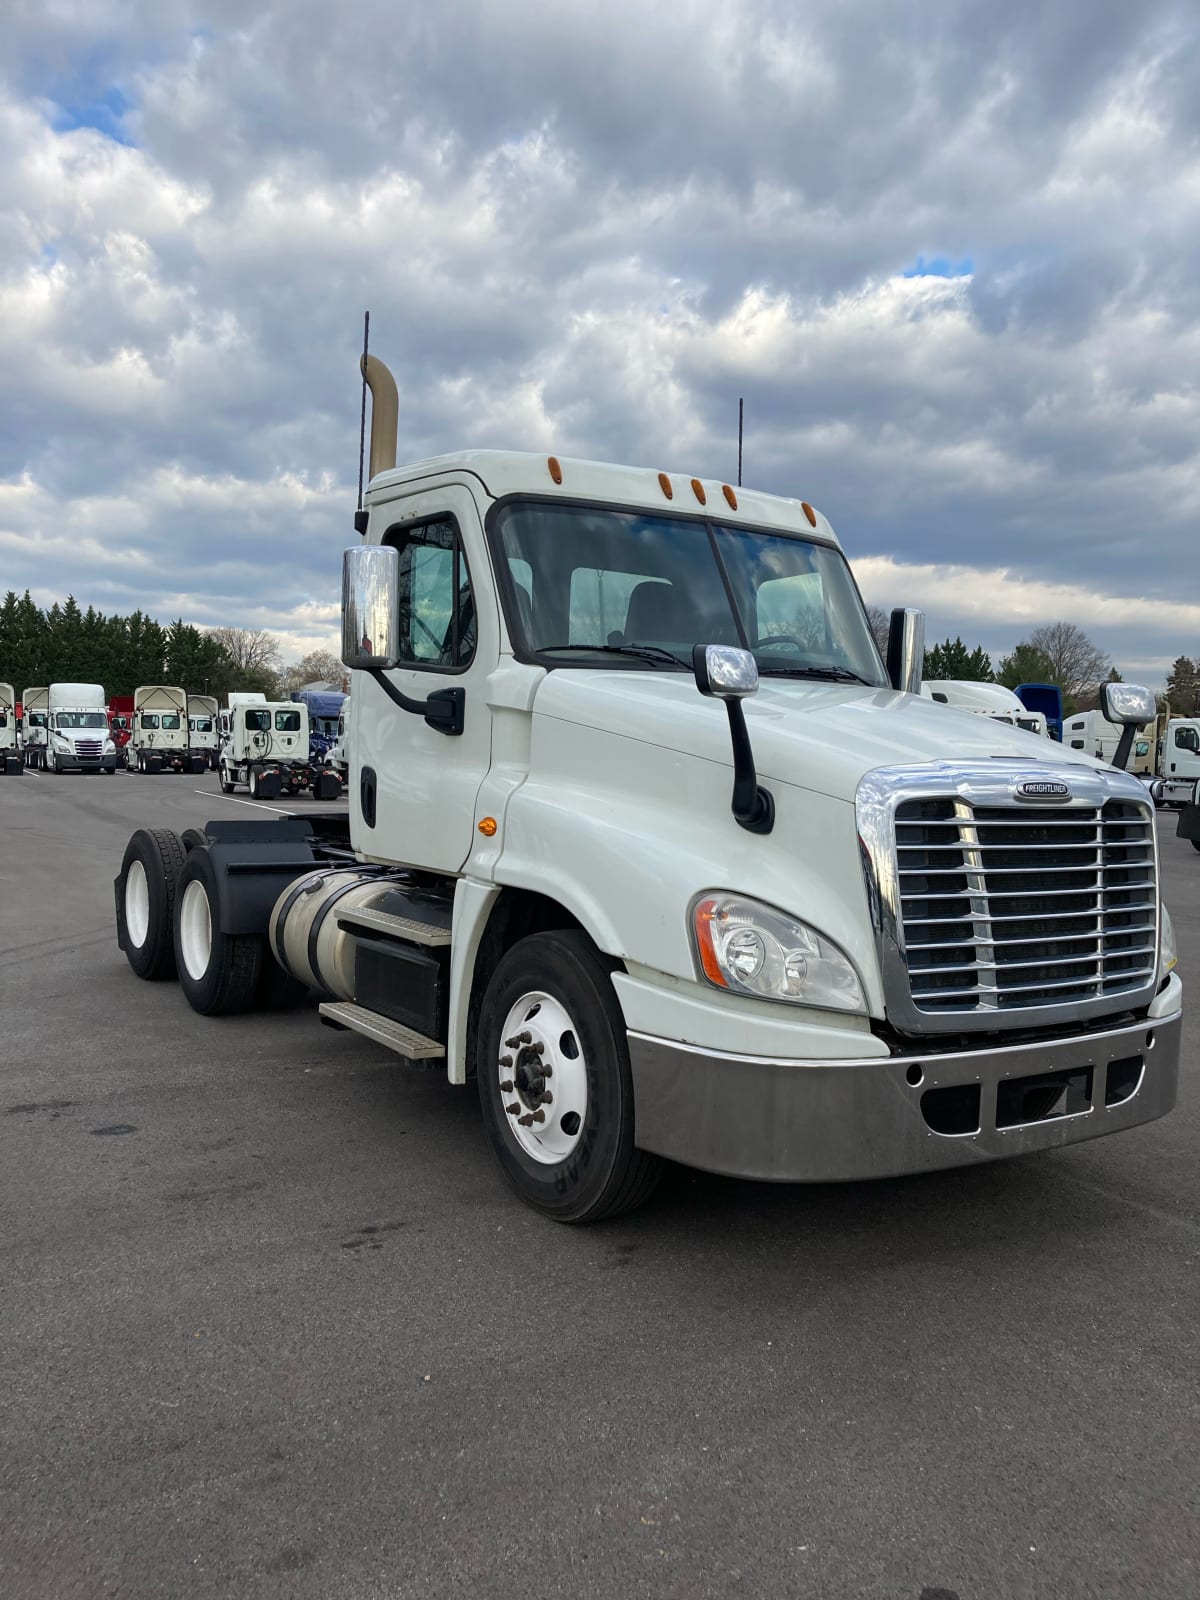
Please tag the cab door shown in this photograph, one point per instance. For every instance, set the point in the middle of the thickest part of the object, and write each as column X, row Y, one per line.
column 413, row 797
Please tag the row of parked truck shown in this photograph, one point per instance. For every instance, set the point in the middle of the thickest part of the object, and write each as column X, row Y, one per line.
column 263, row 745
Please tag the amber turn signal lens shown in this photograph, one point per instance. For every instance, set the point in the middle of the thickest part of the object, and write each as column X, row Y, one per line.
column 703, row 920
column 487, row 827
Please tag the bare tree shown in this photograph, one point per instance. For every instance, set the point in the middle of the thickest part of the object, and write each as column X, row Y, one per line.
column 880, row 623
column 1077, row 663
column 318, row 666
column 252, row 655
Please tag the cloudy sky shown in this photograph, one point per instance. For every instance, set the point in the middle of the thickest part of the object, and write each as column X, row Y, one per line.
column 948, row 254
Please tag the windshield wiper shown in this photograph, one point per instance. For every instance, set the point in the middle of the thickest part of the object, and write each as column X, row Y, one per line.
column 644, row 652
column 831, row 674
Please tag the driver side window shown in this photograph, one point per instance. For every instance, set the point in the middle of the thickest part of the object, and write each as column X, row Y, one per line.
column 435, row 604
column 1187, row 739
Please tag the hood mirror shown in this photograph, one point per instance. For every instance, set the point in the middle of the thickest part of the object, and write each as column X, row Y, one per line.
column 906, row 650
column 1131, row 707
column 726, row 673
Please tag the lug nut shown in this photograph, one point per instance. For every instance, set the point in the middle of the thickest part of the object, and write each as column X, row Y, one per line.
column 546, row 1070
column 547, row 1098
column 513, row 1109
column 538, row 1116
column 506, row 1061
column 507, row 1086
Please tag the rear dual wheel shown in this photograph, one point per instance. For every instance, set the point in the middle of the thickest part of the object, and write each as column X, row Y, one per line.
column 223, row 974
column 148, row 887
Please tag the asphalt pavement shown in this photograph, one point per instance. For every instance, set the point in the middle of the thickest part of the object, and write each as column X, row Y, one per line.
column 271, row 1323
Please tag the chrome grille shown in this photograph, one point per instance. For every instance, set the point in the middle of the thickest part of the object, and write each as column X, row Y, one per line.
column 1012, row 908
column 89, row 747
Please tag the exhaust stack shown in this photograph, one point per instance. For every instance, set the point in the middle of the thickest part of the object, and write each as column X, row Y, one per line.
column 385, row 413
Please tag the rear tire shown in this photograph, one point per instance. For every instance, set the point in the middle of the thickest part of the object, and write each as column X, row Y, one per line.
column 218, row 972
column 149, row 883
column 580, row 1163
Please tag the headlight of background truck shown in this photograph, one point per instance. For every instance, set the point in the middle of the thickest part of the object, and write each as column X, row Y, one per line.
column 751, row 948
column 1168, row 955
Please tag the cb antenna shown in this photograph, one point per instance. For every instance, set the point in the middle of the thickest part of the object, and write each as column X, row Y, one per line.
column 741, row 405
column 360, row 516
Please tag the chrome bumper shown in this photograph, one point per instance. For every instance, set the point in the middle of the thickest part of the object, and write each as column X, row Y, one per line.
column 821, row 1121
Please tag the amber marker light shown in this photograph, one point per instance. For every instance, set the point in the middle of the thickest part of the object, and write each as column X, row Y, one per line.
column 555, row 469
column 703, row 917
column 664, row 483
column 809, row 512
column 487, row 827
column 730, row 497
column 698, row 491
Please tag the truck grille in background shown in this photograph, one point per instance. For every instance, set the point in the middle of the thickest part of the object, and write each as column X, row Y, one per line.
column 91, row 748
column 1007, row 908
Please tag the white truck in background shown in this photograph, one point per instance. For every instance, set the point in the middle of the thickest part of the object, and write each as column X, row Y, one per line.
column 10, row 754
column 1092, row 731
column 339, row 754
column 986, row 700
column 158, row 731
column 77, row 737
column 645, row 839
column 202, row 728
column 35, row 711
column 265, row 748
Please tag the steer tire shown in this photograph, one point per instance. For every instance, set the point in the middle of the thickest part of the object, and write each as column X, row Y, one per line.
column 603, row 1173
column 150, row 872
column 218, row 972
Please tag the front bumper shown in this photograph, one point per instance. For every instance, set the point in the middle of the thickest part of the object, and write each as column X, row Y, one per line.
column 829, row 1121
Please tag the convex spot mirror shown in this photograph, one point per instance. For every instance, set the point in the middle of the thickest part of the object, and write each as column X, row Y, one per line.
column 1129, row 704
column 724, row 672
column 370, row 623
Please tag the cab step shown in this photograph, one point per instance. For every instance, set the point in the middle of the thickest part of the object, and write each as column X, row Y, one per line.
column 404, row 1041
column 385, row 922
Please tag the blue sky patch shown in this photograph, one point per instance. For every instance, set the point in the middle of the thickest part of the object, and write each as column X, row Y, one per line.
column 940, row 267
column 104, row 112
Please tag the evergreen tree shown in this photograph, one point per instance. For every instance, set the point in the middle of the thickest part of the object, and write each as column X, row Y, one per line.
column 1183, row 687
column 954, row 660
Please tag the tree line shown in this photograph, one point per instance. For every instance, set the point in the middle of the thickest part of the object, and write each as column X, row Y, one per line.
column 64, row 644
column 1059, row 653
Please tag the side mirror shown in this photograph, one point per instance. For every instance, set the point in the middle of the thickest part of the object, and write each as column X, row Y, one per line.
column 1128, row 704
column 370, row 624
column 724, row 672
column 906, row 650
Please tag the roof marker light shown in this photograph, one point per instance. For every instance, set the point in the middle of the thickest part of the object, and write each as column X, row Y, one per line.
column 664, row 483
column 555, row 469
column 809, row 512
column 698, row 491
column 729, row 496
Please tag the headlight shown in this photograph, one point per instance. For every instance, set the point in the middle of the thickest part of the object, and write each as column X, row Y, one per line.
column 1168, row 954
column 750, row 948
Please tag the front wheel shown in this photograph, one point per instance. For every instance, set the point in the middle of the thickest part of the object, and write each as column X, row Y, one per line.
column 227, row 787
column 555, row 1085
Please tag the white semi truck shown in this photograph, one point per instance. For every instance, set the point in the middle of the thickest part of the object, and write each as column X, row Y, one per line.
column 1092, row 731
column 339, row 753
column 985, row 699
column 666, row 883
column 202, row 728
column 77, row 737
column 35, row 709
column 1178, row 762
column 265, row 747
column 10, row 755
column 159, row 738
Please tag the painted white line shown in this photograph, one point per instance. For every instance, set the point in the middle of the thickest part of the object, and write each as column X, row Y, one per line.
column 280, row 811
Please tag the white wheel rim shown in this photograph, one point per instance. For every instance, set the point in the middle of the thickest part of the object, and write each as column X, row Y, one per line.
column 195, row 930
column 540, row 1056
column 137, row 904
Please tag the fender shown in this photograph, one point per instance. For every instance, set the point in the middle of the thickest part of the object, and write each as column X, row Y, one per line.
column 255, row 861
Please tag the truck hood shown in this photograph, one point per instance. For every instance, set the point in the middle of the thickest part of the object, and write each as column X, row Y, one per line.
column 823, row 737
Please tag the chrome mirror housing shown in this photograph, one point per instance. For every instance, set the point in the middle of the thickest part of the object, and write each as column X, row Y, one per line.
column 906, row 650
column 370, row 624
column 724, row 672
column 1128, row 704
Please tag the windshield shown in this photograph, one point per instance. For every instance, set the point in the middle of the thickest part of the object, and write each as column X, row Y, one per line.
column 81, row 719
column 611, row 581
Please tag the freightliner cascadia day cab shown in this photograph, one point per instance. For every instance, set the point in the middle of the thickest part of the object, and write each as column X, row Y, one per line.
column 10, row 755
column 77, row 736
column 265, row 746
column 159, row 738
column 36, row 704
column 202, row 728
column 645, row 838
